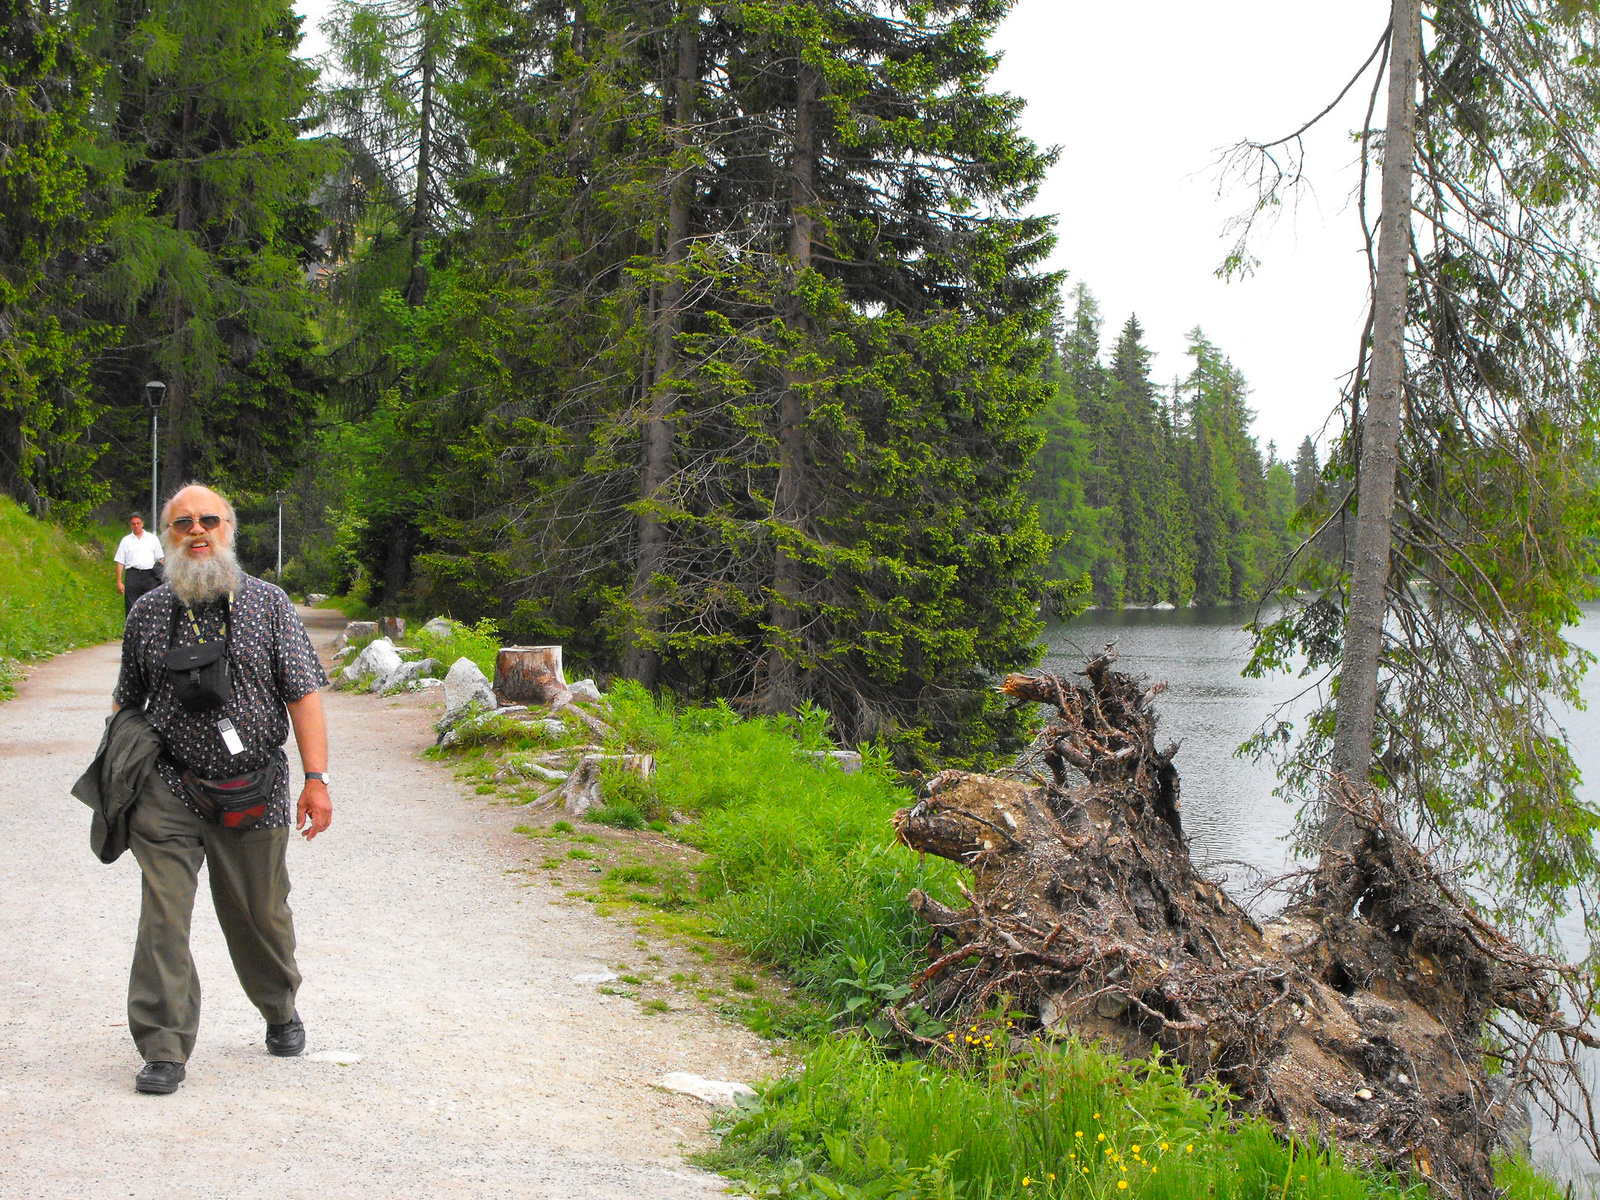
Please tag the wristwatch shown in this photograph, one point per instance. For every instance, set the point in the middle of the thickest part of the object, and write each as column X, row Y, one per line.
column 320, row 776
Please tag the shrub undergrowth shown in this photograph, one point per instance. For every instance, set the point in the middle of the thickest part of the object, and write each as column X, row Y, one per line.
column 57, row 590
column 480, row 643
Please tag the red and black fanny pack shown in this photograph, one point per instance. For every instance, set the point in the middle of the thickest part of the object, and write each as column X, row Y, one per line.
column 239, row 803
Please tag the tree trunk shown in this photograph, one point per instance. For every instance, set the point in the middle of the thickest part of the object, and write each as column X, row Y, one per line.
column 175, row 448
column 397, row 562
column 644, row 662
column 1357, row 705
column 530, row 675
column 1357, row 1016
column 421, row 217
column 789, row 500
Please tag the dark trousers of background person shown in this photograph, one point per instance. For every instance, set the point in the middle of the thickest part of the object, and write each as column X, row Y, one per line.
column 135, row 583
column 250, row 889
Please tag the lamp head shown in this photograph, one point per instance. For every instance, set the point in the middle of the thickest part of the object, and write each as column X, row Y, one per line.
column 154, row 393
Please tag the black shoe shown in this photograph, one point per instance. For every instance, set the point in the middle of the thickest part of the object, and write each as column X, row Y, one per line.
column 159, row 1078
column 288, row 1039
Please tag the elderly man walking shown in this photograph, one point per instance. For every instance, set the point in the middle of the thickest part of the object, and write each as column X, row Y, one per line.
column 136, row 559
column 221, row 666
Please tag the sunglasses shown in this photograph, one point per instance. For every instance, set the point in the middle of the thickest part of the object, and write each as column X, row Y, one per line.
column 184, row 524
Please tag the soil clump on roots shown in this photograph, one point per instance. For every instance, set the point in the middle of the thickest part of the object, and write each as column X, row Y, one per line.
column 1360, row 1014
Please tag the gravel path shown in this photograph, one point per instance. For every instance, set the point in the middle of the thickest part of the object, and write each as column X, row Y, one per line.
column 437, row 965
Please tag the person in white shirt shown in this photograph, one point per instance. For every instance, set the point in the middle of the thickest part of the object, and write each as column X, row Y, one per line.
column 136, row 559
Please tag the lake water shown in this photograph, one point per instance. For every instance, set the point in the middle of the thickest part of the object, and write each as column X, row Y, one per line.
column 1237, row 828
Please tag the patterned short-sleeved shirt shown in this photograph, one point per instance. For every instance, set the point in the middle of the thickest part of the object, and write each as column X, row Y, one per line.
column 270, row 662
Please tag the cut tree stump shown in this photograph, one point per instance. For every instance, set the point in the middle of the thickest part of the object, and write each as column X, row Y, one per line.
column 530, row 675
column 1358, row 1015
column 392, row 627
column 582, row 791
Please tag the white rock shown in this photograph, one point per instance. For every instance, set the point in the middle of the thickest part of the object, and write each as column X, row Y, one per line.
column 343, row 1058
column 595, row 977
column 378, row 658
column 422, row 685
column 354, row 630
column 466, row 684
column 441, row 627
column 718, row 1092
column 315, row 598
column 554, row 727
column 1162, row 607
column 584, row 689
column 405, row 673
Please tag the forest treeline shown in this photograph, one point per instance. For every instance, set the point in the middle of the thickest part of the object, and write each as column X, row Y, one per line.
column 711, row 340
column 1161, row 495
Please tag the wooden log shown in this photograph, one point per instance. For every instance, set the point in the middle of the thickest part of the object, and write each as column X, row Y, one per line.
column 530, row 675
column 392, row 627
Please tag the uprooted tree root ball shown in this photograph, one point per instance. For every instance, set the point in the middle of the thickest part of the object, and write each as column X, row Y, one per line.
column 1359, row 1014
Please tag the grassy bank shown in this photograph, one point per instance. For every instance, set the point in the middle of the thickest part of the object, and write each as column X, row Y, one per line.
column 57, row 591
column 796, row 870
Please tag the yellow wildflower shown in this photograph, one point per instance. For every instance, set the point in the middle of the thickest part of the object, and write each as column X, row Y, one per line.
column 1121, row 1184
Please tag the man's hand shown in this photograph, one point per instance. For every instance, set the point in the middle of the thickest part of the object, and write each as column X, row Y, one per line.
column 315, row 809
column 311, row 735
column 121, row 591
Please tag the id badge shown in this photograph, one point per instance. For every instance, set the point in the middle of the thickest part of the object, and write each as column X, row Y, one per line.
column 230, row 736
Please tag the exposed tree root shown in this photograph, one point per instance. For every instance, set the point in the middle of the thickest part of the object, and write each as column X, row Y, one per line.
column 1359, row 1014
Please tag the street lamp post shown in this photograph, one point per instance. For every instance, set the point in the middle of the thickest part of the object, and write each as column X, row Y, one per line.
column 280, row 495
column 154, row 393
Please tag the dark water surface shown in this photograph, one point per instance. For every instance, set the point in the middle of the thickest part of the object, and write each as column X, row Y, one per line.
column 1236, row 826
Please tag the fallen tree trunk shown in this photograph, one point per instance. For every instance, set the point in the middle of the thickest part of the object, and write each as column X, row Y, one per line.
column 1358, row 1015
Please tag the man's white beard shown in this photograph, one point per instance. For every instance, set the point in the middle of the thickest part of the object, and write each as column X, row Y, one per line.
column 202, row 580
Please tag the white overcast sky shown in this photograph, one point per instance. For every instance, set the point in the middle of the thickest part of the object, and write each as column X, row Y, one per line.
column 1140, row 99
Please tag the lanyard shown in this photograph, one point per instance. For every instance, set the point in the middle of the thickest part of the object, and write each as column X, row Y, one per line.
column 195, row 625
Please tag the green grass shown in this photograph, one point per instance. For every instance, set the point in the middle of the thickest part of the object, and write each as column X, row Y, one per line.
column 802, row 873
column 57, row 590
column 354, row 608
column 1049, row 1121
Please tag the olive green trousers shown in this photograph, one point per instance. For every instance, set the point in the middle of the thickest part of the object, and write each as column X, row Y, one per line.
column 250, row 891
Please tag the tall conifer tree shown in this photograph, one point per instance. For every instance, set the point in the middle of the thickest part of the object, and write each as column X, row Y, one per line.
column 208, row 106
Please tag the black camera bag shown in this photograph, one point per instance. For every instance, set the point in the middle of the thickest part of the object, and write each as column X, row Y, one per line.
column 199, row 672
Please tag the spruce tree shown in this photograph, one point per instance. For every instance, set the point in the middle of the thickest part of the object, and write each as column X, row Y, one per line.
column 207, row 106
column 54, row 206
